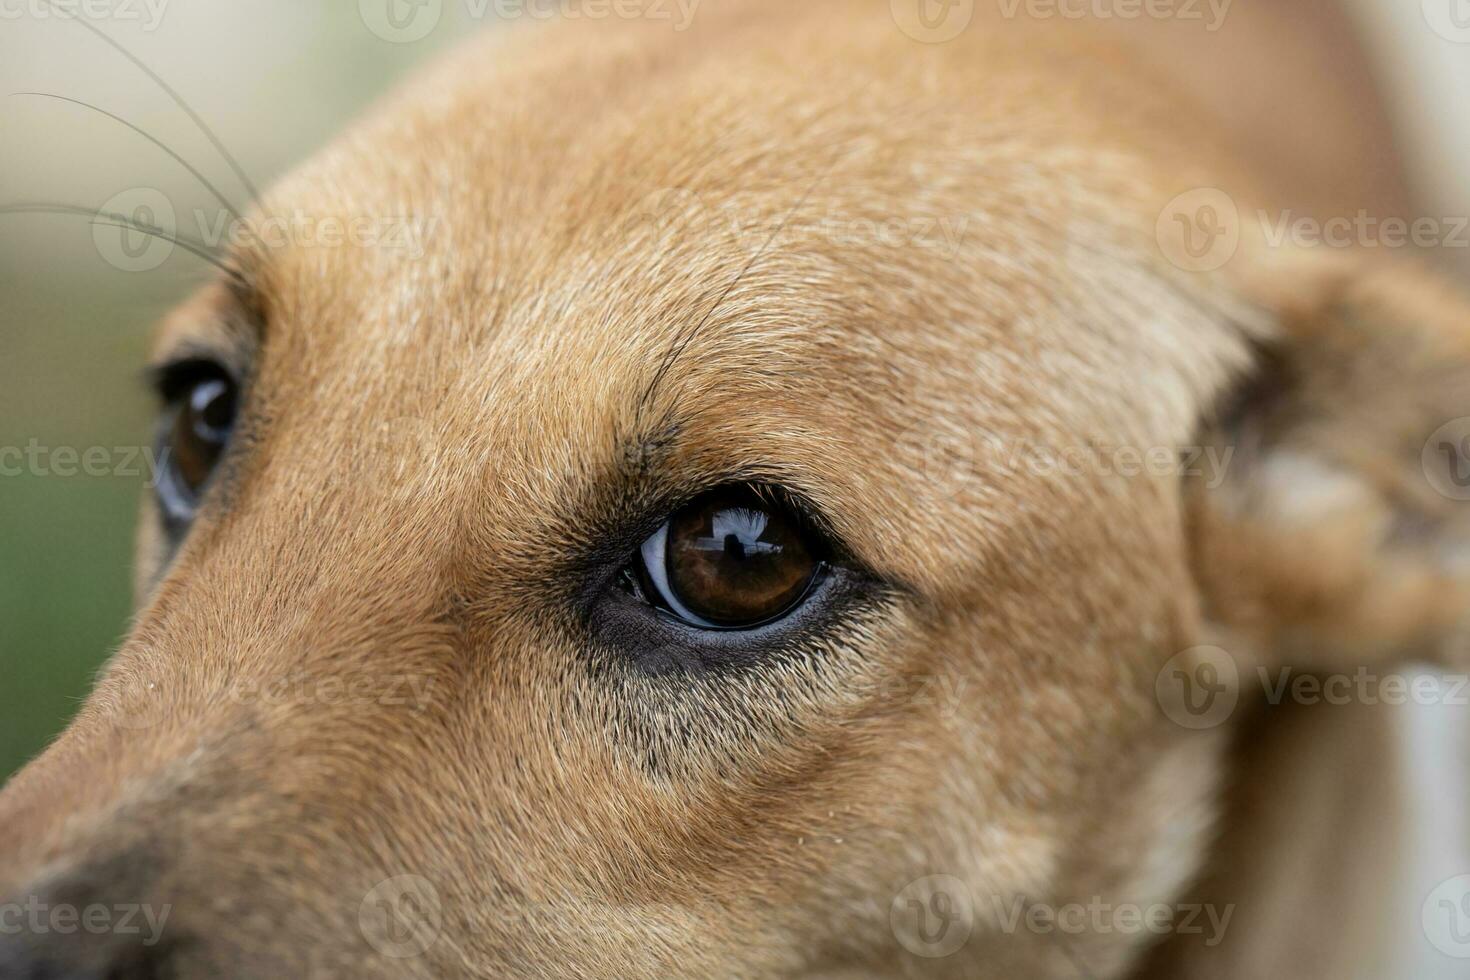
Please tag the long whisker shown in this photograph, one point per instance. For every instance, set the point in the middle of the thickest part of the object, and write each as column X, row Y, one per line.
column 122, row 221
column 224, row 201
column 688, row 336
column 178, row 99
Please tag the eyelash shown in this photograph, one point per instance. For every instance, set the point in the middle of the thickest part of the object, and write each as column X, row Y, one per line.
column 172, row 380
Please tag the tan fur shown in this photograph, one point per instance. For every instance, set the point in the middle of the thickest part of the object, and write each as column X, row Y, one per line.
column 427, row 439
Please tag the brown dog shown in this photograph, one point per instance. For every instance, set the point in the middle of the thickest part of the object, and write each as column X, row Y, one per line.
column 817, row 507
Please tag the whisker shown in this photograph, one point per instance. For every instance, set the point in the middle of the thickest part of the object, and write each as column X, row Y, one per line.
column 178, row 99
column 224, row 201
column 688, row 336
column 190, row 245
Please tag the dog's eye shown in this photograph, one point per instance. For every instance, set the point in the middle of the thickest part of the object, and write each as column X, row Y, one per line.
column 201, row 414
column 732, row 559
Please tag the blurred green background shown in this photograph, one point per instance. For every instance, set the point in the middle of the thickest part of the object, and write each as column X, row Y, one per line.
column 274, row 79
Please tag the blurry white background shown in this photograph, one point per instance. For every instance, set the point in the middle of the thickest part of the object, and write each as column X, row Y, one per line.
column 1426, row 75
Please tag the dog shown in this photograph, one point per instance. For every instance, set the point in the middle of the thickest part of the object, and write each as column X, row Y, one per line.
column 821, row 504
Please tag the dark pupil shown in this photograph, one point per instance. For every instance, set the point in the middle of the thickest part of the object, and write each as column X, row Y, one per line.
column 733, row 559
column 202, row 429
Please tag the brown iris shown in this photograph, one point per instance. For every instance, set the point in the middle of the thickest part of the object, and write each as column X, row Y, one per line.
column 200, row 431
column 732, row 559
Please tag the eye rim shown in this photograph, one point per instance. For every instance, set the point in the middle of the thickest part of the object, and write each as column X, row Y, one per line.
column 659, row 593
column 178, row 384
column 621, row 631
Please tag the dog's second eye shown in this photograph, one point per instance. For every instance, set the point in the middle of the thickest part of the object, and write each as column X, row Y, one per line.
column 729, row 560
column 196, row 432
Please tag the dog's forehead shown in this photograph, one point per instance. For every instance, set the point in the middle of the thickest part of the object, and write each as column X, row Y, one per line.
column 757, row 254
column 510, row 194
column 603, row 196
column 502, row 278
column 542, row 269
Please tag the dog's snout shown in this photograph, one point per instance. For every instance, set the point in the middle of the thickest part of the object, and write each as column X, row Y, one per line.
column 101, row 922
column 73, row 961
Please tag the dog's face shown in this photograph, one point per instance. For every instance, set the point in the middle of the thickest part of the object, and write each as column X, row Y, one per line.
column 754, row 496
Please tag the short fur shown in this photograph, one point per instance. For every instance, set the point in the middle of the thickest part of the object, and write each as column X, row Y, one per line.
column 630, row 293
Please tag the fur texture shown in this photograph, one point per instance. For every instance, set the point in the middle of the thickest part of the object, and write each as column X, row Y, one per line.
column 661, row 262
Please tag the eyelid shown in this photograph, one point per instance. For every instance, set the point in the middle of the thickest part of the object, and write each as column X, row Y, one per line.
column 174, row 379
column 654, row 553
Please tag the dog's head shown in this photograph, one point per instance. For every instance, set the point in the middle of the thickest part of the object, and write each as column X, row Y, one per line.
column 739, row 512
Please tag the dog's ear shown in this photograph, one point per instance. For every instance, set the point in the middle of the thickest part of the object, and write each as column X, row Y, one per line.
column 1335, row 532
